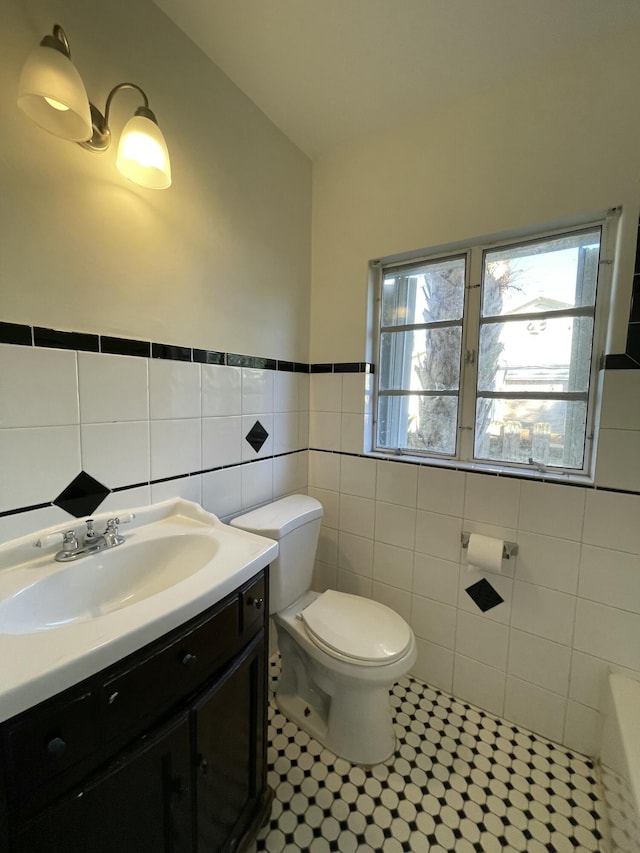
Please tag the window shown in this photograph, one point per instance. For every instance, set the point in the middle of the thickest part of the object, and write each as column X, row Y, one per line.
column 486, row 354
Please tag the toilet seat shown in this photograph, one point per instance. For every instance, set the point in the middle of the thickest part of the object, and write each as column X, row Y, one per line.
column 362, row 630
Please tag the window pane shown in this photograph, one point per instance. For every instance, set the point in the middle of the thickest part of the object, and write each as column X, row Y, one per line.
column 536, row 355
column 547, row 275
column 422, row 360
column 551, row 432
column 424, row 294
column 423, row 424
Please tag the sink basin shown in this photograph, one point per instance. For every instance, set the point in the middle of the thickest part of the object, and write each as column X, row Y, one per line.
column 105, row 582
column 63, row 622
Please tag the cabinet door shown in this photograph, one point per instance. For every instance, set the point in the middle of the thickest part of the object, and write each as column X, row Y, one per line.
column 230, row 744
column 139, row 804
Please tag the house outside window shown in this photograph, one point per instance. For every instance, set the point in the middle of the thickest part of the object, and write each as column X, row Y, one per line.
column 488, row 354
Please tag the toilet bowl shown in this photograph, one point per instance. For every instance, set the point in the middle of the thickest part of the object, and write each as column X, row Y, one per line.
column 340, row 653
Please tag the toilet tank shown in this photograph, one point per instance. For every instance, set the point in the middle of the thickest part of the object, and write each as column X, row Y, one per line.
column 294, row 522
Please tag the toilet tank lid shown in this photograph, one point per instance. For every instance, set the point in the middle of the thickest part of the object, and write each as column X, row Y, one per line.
column 280, row 517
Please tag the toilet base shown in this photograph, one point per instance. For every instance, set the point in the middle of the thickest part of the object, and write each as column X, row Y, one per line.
column 338, row 704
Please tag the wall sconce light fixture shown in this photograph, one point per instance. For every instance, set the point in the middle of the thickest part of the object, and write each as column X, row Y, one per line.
column 52, row 94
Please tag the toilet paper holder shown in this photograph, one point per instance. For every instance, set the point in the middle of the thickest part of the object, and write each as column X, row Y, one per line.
column 509, row 549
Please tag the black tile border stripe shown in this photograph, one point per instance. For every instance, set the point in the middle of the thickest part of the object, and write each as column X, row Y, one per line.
column 15, row 333
column 185, row 476
column 124, row 346
column 507, row 475
column 621, row 362
column 22, row 335
column 55, row 339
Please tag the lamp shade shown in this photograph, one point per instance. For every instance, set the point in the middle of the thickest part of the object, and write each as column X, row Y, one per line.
column 52, row 94
column 142, row 154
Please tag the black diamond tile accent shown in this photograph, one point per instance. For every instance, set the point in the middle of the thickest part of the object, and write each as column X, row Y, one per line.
column 484, row 595
column 257, row 436
column 82, row 496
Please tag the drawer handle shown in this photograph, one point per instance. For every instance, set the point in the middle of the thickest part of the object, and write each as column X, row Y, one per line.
column 189, row 660
column 258, row 603
column 57, row 747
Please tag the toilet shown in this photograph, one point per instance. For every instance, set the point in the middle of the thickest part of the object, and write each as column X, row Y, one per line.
column 340, row 653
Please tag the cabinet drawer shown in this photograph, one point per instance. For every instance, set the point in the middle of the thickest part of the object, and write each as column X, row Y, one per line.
column 254, row 606
column 130, row 698
column 46, row 744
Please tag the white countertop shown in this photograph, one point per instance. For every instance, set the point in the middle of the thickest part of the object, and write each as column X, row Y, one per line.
column 38, row 664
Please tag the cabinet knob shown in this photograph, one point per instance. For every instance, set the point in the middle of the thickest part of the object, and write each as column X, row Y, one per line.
column 258, row 603
column 57, row 747
column 189, row 660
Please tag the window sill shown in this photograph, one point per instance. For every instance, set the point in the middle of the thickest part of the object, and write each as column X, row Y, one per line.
column 547, row 476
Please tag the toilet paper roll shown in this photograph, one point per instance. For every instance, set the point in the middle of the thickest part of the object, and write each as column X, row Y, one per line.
column 484, row 552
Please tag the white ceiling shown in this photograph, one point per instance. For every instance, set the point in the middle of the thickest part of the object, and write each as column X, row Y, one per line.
column 328, row 71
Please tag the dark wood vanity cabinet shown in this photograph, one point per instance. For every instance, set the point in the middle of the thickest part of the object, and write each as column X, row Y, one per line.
column 164, row 752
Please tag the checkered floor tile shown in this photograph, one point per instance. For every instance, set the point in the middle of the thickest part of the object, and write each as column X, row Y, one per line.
column 462, row 780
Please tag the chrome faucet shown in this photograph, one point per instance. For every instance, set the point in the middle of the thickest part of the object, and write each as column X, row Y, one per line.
column 75, row 546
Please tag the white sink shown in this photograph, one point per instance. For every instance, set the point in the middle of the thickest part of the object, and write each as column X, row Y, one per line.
column 62, row 622
column 107, row 581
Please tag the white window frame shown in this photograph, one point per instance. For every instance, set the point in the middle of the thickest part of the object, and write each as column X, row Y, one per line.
column 475, row 251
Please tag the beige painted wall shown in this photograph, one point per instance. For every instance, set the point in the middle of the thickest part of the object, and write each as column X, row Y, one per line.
column 533, row 152
column 220, row 261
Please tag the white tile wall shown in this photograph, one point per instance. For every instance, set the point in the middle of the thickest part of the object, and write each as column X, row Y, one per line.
column 112, row 388
column 436, row 578
column 482, row 640
column 356, row 476
column 37, row 463
column 621, row 400
column 608, row 632
column 126, row 420
column 391, row 531
column 478, row 683
column 552, row 510
column 441, row 490
column 175, row 447
column 535, row 708
column 38, row 387
column 611, row 521
column 492, row 500
column 324, row 470
column 397, row 486
column 355, row 554
column 221, row 390
column 618, row 458
column 116, row 453
column 610, row 577
column 174, row 389
column 539, row 657
column 257, row 391
column 434, row 664
column 221, row 441
column 539, row 661
column 544, row 612
column 393, row 566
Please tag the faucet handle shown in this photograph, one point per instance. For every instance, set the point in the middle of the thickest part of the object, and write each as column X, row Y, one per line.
column 91, row 533
column 125, row 518
column 69, row 541
column 67, row 537
column 49, row 539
